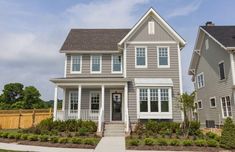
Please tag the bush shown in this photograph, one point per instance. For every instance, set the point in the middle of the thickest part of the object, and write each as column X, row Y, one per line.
column 187, row 143
column 18, row 135
column 63, row 140
column 133, row 142
column 149, row 141
column 43, row 138
column 46, row 124
column 54, row 139
column 139, row 129
column 211, row 135
column 24, row 136
column 5, row 134
column 90, row 141
column 228, row 134
column 200, row 142
column 212, row 143
column 152, row 127
column 89, row 125
column 162, row 142
column 76, row 140
column 11, row 135
column 83, row 131
column 175, row 142
column 194, row 126
column 32, row 137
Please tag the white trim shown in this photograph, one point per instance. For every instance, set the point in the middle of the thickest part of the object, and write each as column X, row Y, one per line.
column 124, row 60
column 232, row 67
column 151, row 42
column 91, row 84
column 116, row 72
column 71, row 91
column 215, row 102
column 71, row 65
column 222, row 110
column 203, row 80
column 146, row 57
column 198, row 104
column 153, row 82
column 100, row 100
column 168, row 58
column 65, row 65
column 151, row 10
column 180, row 77
column 55, row 103
column 64, row 100
column 111, row 107
column 207, row 44
column 79, row 100
column 151, row 27
column 95, row 72
column 224, row 71
column 126, row 107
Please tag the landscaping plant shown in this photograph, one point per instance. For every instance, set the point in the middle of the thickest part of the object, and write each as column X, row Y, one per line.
column 228, row 134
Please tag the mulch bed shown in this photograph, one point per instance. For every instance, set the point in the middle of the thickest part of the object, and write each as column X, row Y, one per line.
column 178, row 148
column 47, row 144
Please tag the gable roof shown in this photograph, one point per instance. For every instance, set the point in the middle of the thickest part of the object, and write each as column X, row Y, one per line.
column 162, row 21
column 93, row 39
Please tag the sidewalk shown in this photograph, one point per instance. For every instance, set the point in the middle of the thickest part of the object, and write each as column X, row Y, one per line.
column 111, row 144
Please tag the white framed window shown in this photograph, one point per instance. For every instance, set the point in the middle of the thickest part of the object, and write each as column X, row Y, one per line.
column 96, row 63
column 73, row 102
column 199, row 104
column 141, row 57
column 221, row 70
column 94, row 102
column 212, row 102
column 163, row 57
column 76, row 64
column 151, row 28
column 200, row 80
column 143, row 99
column 207, row 44
column 226, row 107
column 116, row 63
column 154, row 100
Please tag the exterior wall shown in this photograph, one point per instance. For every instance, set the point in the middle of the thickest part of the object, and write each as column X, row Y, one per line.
column 106, row 67
column 208, row 64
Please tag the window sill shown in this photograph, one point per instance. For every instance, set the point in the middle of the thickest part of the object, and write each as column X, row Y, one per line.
column 155, row 115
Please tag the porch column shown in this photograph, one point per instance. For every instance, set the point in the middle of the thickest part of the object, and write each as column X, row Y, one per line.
column 101, row 112
column 79, row 101
column 55, row 103
column 63, row 103
column 102, row 96
column 126, row 107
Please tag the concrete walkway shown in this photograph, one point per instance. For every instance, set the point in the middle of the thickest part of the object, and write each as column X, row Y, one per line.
column 111, row 144
column 15, row 146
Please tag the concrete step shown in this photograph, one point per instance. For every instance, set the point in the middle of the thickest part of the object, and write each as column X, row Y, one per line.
column 114, row 134
column 114, row 127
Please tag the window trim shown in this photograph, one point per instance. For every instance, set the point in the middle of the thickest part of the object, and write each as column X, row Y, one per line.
column 222, row 110
column 198, row 104
column 224, row 71
column 146, row 57
column 151, row 31
column 202, row 73
column 215, row 102
column 72, row 91
column 71, row 65
column 168, row 58
column 90, row 111
column 95, row 72
column 116, row 72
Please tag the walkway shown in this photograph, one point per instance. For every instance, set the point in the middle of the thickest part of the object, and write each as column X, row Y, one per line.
column 111, row 144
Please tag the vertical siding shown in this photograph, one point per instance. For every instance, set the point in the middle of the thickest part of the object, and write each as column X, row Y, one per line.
column 208, row 64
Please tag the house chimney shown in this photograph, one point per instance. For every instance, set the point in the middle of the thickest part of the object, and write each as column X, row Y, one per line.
column 210, row 23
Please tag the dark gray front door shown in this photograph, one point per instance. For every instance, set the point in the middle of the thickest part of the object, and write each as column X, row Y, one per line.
column 116, row 106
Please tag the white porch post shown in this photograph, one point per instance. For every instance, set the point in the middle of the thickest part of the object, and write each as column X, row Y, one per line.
column 101, row 110
column 55, row 103
column 63, row 103
column 79, row 101
column 126, row 107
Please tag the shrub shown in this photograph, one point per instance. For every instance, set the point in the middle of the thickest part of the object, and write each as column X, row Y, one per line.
column 162, row 142
column 43, row 138
column 46, row 124
column 76, row 140
column 200, row 142
column 5, row 134
column 18, row 135
column 11, row 135
column 1, row 134
column 139, row 129
column 152, row 126
column 149, row 141
column 175, row 142
column 194, row 126
column 32, row 137
column 187, row 143
column 83, row 131
column 89, row 141
column 63, row 140
column 54, row 139
column 133, row 142
column 211, row 135
column 24, row 136
column 89, row 125
column 212, row 143
column 228, row 134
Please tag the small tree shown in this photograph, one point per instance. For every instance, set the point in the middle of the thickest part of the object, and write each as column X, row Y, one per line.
column 31, row 96
column 187, row 105
column 12, row 92
column 228, row 134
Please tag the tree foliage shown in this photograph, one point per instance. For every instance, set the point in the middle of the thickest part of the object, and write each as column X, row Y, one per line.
column 12, row 92
column 228, row 134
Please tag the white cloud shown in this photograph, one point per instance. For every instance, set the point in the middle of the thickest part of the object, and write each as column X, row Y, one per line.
column 185, row 10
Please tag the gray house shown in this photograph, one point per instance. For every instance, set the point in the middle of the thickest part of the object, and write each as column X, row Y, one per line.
column 119, row 76
column 213, row 73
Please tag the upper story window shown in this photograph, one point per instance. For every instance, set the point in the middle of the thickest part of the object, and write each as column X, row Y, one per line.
column 212, row 102
column 207, row 44
column 151, row 27
column 226, row 107
column 163, row 57
column 199, row 104
column 221, row 70
column 200, row 80
column 76, row 62
column 116, row 63
column 141, row 57
column 96, row 63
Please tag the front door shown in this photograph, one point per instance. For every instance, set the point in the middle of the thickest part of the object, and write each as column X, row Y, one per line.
column 116, row 106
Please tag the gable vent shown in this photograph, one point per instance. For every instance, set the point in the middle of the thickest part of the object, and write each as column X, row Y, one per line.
column 151, row 27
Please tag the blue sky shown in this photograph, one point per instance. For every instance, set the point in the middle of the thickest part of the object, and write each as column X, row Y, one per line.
column 32, row 32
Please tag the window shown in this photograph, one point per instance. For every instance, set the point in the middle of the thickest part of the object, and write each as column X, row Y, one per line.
column 116, row 64
column 213, row 102
column 163, row 57
column 96, row 61
column 73, row 104
column 143, row 97
column 196, row 106
column 207, row 44
column 200, row 80
column 199, row 104
column 221, row 70
column 141, row 57
column 154, row 99
column 76, row 64
column 94, row 102
column 151, row 27
column 226, row 107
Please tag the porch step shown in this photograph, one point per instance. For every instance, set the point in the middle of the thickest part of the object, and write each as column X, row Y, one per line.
column 114, row 129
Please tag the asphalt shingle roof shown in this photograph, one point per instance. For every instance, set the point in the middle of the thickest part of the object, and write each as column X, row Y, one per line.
column 93, row 39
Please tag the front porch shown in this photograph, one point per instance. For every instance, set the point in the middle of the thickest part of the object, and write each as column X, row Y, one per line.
column 100, row 102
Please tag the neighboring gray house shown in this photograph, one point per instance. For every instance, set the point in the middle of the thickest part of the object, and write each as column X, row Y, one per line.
column 213, row 73
column 120, row 76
